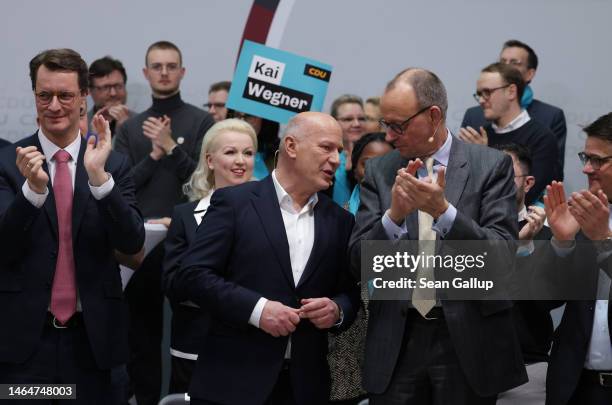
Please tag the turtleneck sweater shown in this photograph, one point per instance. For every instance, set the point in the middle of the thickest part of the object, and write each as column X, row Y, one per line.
column 159, row 182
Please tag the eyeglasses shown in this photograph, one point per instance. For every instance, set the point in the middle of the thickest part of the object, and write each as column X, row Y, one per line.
column 46, row 97
column 513, row 62
column 486, row 93
column 170, row 67
column 108, row 87
column 348, row 120
column 596, row 161
column 216, row 105
column 401, row 127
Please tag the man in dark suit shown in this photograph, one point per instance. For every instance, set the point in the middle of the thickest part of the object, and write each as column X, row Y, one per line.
column 65, row 207
column 271, row 267
column 523, row 57
column 454, row 352
column 580, row 369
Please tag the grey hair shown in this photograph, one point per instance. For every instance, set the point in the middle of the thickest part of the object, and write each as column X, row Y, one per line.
column 428, row 87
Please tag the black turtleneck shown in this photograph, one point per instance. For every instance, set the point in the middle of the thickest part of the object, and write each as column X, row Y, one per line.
column 159, row 183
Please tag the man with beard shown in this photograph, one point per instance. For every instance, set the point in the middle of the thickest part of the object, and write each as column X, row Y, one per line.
column 163, row 144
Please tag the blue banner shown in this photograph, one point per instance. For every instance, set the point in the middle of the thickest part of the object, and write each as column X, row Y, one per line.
column 275, row 84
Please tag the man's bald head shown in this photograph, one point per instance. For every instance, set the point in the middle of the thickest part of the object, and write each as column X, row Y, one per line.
column 428, row 88
column 309, row 152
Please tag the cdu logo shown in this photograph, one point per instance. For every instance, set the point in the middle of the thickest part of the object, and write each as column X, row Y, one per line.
column 317, row 73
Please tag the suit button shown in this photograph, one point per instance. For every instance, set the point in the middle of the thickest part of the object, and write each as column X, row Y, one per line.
column 48, row 284
column 53, row 254
column 404, row 313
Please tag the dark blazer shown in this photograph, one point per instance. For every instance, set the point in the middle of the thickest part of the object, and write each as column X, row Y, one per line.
column 28, row 236
column 546, row 114
column 479, row 183
column 573, row 335
column 4, row 143
column 189, row 324
column 241, row 254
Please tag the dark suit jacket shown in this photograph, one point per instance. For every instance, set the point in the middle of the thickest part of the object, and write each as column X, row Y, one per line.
column 573, row 335
column 546, row 114
column 4, row 143
column 479, row 183
column 28, row 236
column 189, row 324
column 241, row 254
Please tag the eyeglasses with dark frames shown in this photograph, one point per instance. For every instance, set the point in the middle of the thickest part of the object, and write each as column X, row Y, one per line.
column 401, row 127
column 64, row 97
column 486, row 93
column 596, row 161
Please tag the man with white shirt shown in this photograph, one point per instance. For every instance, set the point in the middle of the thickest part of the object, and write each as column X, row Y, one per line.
column 580, row 370
column 65, row 207
column 272, row 270
column 498, row 91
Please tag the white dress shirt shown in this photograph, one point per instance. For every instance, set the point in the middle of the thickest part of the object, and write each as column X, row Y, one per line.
column 300, row 229
column 49, row 149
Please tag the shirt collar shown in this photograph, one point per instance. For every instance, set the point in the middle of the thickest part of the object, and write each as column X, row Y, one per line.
column 516, row 123
column 49, row 149
column 204, row 202
column 443, row 153
column 522, row 215
column 286, row 202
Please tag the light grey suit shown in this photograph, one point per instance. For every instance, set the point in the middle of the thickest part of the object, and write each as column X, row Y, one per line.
column 480, row 185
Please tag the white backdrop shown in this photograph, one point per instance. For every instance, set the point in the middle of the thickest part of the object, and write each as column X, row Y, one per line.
column 366, row 42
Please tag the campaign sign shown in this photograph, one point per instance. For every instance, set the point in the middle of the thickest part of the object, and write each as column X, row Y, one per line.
column 275, row 84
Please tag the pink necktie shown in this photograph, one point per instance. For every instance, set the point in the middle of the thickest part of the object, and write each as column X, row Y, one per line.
column 63, row 293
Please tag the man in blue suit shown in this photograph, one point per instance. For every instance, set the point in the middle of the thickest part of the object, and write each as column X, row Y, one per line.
column 523, row 58
column 66, row 205
column 271, row 267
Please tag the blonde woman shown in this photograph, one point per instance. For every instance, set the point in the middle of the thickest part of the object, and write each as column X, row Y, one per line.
column 226, row 159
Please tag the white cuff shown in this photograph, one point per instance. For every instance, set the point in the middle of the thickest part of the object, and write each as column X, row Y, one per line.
column 392, row 230
column 256, row 314
column 32, row 196
column 102, row 191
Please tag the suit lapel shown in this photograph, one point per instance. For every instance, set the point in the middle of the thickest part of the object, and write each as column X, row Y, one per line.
column 456, row 173
column 266, row 205
column 321, row 237
column 49, row 205
column 81, row 193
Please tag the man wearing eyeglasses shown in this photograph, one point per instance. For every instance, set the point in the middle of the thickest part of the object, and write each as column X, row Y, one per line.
column 107, row 79
column 522, row 57
column 498, row 91
column 421, row 351
column 163, row 143
column 66, row 204
column 217, row 97
column 580, row 369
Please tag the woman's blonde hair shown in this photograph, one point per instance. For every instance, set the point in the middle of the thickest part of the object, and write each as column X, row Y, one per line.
column 202, row 181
